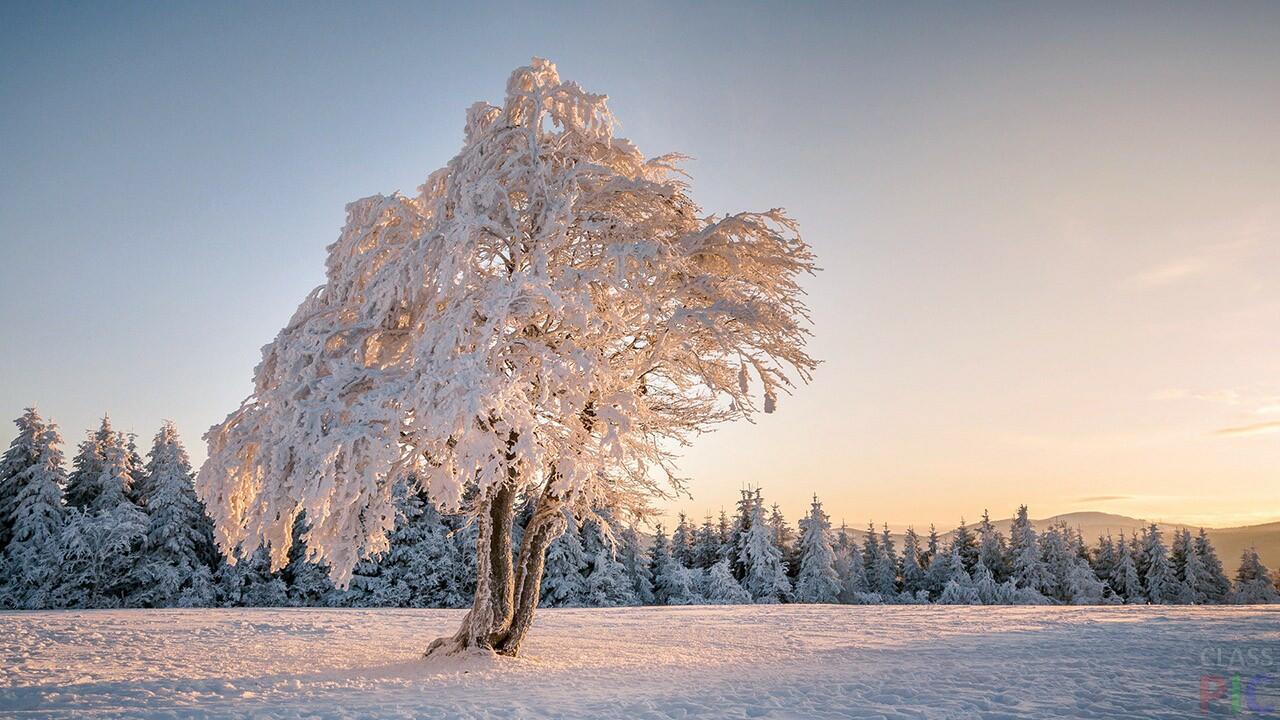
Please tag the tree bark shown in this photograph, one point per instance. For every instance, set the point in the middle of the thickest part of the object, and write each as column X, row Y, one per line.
column 506, row 595
column 547, row 524
column 490, row 615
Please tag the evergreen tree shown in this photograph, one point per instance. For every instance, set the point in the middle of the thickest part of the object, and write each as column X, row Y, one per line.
column 1059, row 561
column 724, row 529
column 931, row 547
column 741, row 526
column 993, row 550
column 1083, row 585
column 1190, row 574
column 1124, row 577
column 1214, row 584
column 607, row 582
column 1028, row 570
column 682, row 542
column 913, row 574
column 784, row 538
column 260, row 585
column 675, row 584
column 307, row 580
column 86, row 467
column 817, row 581
column 853, row 575
column 870, row 552
column 1254, row 585
column 179, row 533
column 101, row 548
column 636, row 564
column 1157, row 576
column 425, row 565
column 722, row 589
column 885, row 579
column 563, row 583
column 706, row 545
column 659, row 558
column 32, row 470
column 958, row 588
column 766, row 577
column 984, row 584
column 1103, row 559
column 967, row 544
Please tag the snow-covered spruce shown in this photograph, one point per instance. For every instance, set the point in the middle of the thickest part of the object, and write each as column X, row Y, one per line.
column 550, row 317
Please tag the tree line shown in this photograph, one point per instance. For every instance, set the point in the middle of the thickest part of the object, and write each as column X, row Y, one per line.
column 121, row 531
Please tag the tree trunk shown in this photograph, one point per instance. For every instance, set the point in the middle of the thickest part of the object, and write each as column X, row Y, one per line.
column 506, row 596
column 547, row 524
column 490, row 615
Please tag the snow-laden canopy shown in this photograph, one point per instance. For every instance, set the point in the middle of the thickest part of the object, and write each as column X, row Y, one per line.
column 550, row 311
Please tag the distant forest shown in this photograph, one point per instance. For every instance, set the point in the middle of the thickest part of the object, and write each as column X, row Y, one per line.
column 120, row 531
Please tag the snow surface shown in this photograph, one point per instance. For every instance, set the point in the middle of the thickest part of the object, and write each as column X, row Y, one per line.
column 792, row 661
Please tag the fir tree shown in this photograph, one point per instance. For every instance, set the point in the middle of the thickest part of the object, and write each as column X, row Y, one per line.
column 967, row 544
column 307, row 580
column 32, row 470
column 1157, row 576
column 993, row 551
column 706, row 545
column 722, row 589
column 260, row 585
column 1190, row 573
column 913, row 574
column 817, row 581
column 958, row 588
column 1214, row 584
column 682, row 541
column 870, row 552
column 636, row 564
column 1254, row 585
column 86, row 468
column 1124, row 578
column 885, row 579
column 563, row 583
column 179, row 534
column 1028, row 570
column 766, row 577
column 984, row 584
column 853, row 575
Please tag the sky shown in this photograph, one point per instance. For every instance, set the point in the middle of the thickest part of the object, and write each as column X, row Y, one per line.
column 1050, row 238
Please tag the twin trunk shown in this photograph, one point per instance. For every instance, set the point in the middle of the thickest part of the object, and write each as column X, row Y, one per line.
column 507, row 592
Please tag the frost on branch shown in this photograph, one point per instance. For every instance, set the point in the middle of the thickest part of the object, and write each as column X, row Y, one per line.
column 551, row 314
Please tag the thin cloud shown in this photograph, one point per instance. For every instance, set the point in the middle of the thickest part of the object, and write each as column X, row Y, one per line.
column 1170, row 273
column 1254, row 429
column 1104, row 498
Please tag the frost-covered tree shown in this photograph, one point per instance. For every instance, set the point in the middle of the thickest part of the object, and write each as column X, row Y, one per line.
column 966, row 542
column 785, row 539
column 607, row 582
column 1188, row 570
column 86, row 467
column 682, row 542
column 1103, row 558
column 1027, row 568
column 766, row 577
column 853, row 574
column 706, row 544
column 636, row 563
column 425, row 565
column 870, row 552
column 1214, row 583
column 1158, row 580
column 551, row 317
column 564, row 583
column 885, row 578
column 722, row 589
column 984, row 584
column 307, row 581
column 676, row 584
column 993, row 550
column 260, row 585
column 179, row 535
column 1254, row 584
column 101, row 548
column 1124, row 578
column 31, row 471
column 958, row 588
column 913, row 574
column 818, row 581
column 1059, row 558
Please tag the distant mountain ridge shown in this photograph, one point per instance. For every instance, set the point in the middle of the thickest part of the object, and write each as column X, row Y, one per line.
column 1229, row 542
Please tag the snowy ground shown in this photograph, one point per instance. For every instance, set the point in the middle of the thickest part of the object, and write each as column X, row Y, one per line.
column 777, row 662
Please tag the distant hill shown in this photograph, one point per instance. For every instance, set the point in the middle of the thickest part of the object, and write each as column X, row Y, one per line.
column 1229, row 542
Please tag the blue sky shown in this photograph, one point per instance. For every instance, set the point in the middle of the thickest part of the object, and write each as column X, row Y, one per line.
column 1051, row 239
